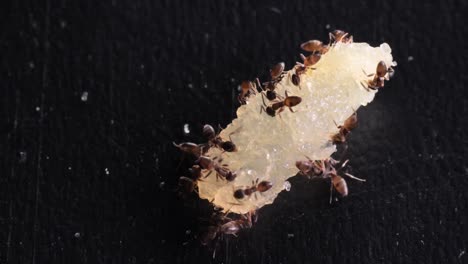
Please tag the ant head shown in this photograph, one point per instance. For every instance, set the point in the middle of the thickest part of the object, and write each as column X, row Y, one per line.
column 270, row 111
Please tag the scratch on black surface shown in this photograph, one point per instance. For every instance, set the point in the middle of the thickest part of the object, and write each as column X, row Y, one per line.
column 10, row 227
column 40, row 127
column 13, row 171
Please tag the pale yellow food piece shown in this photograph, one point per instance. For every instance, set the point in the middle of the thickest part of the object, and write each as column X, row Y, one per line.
column 268, row 147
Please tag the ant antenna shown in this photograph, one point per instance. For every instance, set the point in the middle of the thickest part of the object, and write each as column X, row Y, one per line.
column 354, row 177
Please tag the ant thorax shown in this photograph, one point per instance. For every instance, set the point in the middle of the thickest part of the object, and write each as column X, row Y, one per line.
column 267, row 147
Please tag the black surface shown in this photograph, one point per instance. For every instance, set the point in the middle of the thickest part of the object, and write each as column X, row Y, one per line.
column 81, row 180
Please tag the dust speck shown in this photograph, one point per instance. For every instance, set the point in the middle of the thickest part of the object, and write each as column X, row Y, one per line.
column 84, row 96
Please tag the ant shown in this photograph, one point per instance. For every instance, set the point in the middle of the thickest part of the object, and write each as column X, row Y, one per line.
column 215, row 140
column 276, row 74
column 278, row 107
column 188, row 185
column 349, row 124
column 277, row 71
column 226, row 225
column 309, row 167
column 263, row 186
column 222, row 171
column 338, row 35
column 314, row 46
column 325, row 169
column 298, row 70
column 337, row 182
column 382, row 73
column 247, row 88
column 310, row 60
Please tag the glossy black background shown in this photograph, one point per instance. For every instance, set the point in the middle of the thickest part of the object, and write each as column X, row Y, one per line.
column 81, row 180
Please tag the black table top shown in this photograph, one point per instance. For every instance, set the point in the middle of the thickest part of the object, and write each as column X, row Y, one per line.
column 94, row 92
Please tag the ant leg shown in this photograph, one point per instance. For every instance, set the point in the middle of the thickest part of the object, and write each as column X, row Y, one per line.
column 206, row 176
column 262, row 108
column 331, row 37
column 365, row 87
column 292, row 111
column 365, row 73
column 279, row 111
column 343, row 37
column 354, row 177
column 344, row 163
column 331, row 190
column 239, row 99
column 258, row 83
column 336, row 124
column 303, row 58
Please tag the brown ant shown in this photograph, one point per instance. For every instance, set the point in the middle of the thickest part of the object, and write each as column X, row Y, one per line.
column 222, row 171
column 247, row 88
column 325, row 169
column 349, row 124
column 309, row 167
column 295, row 79
column 278, row 107
column 314, row 46
column 277, row 71
column 226, row 225
column 340, row 36
column 337, row 181
column 215, row 140
column 310, row 60
column 270, row 91
column 276, row 74
column 188, row 185
column 382, row 73
column 263, row 186
column 298, row 70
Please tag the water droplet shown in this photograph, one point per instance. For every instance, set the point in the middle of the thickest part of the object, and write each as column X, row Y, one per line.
column 31, row 65
column 410, row 58
column 38, row 109
column 162, row 184
column 287, row 186
column 106, row 170
column 327, row 26
column 186, row 129
column 63, row 23
column 77, row 235
column 84, row 96
column 290, row 235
